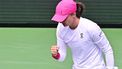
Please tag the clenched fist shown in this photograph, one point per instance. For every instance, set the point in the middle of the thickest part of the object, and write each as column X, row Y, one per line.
column 54, row 49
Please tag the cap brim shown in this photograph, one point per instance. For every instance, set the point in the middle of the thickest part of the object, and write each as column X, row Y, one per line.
column 59, row 18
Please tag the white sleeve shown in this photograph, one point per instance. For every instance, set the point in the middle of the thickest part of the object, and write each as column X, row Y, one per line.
column 62, row 46
column 101, row 41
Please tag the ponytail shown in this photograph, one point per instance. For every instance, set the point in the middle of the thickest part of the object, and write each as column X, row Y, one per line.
column 80, row 9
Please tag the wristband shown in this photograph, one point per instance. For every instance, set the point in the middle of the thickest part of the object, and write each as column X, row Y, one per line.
column 57, row 56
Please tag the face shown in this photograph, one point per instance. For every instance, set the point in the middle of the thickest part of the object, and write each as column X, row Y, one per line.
column 69, row 21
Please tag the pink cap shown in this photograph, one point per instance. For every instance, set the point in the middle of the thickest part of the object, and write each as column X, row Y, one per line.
column 63, row 9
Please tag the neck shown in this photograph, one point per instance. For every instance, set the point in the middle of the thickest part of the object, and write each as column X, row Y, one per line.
column 75, row 24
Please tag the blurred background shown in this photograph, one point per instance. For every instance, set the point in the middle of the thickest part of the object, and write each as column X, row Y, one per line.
column 27, row 32
column 38, row 12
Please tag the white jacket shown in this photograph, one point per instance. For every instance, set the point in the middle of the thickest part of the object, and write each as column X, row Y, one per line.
column 87, row 43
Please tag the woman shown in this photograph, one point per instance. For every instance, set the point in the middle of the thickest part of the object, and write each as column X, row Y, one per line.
column 84, row 37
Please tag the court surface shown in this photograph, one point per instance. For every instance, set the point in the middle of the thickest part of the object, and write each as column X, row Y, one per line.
column 29, row 48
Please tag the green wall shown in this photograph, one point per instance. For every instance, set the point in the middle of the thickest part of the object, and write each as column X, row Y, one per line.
column 41, row 11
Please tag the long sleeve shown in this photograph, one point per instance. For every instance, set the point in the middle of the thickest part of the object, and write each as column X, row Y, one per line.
column 62, row 49
column 61, row 44
column 101, row 41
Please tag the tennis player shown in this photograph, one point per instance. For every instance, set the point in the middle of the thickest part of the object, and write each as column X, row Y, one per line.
column 84, row 37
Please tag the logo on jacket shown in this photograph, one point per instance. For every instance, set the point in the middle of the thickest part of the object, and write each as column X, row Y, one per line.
column 81, row 35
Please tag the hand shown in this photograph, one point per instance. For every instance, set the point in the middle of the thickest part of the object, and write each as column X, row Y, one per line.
column 54, row 49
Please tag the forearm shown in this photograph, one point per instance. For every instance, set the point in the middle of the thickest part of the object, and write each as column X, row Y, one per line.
column 109, row 60
column 62, row 50
column 109, row 57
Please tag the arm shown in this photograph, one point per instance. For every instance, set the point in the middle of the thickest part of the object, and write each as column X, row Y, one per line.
column 60, row 47
column 101, row 41
column 59, row 50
